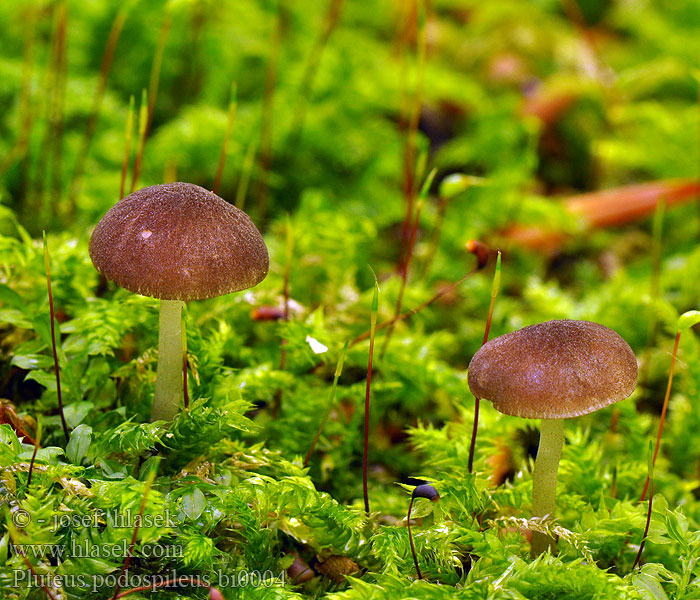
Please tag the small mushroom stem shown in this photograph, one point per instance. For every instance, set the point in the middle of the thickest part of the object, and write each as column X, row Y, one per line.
column 166, row 401
column 544, row 485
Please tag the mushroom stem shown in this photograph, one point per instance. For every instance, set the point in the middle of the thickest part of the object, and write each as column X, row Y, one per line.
column 166, row 402
column 544, row 484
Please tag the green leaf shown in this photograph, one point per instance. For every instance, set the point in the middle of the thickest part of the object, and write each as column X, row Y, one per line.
column 149, row 465
column 648, row 586
column 112, row 469
column 32, row 361
column 48, row 455
column 4, row 544
column 80, row 440
column 86, row 566
column 129, row 437
column 75, row 412
column 9, row 439
column 11, row 298
column 44, row 378
column 193, row 503
column 677, row 527
column 15, row 317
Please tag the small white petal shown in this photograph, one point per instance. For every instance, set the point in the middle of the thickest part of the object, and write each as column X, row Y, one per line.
column 316, row 346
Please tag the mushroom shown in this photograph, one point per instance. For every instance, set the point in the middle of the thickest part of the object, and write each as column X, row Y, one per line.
column 425, row 490
column 552, row 371
column 177, row 242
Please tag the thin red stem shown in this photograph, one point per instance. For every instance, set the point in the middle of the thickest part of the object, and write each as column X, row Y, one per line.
column 37, row 578
column 142, row 130
column 335, row 8
column 132, row 543
column 646, row 531
column 18, row 152
column 404, row 277
column 268, row 106
column 57, row 124
column 413, row 311
column 152, row 93
column 36, row 449
column 663, row 410
column 475, row 427
column 410, row 540
column 285, row 299
column 227, row 136
column 53, row 346
column 127, row 147
column 91, row 127
column 415, row 107
column 185, row 391
column 331, row 400
column 365, row 490
column 154, row 80
column 315, row 440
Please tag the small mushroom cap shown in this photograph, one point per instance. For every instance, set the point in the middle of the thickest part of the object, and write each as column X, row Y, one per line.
column 554, row 370
column 178, row 241
column 425, row 490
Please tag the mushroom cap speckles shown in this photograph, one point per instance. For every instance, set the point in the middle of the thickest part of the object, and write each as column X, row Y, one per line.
column 178, row 241
column 554, row 370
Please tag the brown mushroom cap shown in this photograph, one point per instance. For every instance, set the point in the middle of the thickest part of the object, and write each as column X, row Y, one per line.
column 554, row 370
column 178, row 241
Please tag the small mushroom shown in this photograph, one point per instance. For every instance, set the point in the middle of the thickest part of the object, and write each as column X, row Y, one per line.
column 300, row 571
column 177, row 242
column 337, row 568
column 552, row 371
column 425, row 490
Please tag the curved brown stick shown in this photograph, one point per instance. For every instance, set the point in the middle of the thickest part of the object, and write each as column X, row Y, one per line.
column 608, row 208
